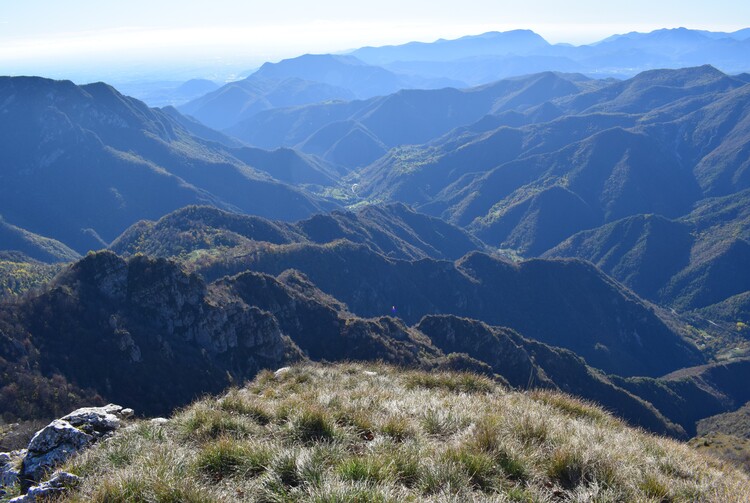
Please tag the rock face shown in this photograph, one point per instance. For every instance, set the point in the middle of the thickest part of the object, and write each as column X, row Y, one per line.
column 155, row 334
column 56, row 443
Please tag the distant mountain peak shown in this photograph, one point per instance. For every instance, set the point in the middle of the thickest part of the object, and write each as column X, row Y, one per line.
column 521, row 33
column 682, row 76
column 490, row 43
column 309, row 59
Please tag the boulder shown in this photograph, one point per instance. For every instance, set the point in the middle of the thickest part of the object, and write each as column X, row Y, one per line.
column 62, row 438
column 50, row 447
column 58, row 483
column 97, row 421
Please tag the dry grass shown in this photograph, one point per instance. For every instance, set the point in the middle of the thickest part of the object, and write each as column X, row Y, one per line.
column 340, row 434
column 735, row 450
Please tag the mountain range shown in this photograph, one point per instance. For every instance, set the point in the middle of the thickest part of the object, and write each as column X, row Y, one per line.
column 496, row 55
column 352, row 267
column 145, row 320
column 465, row 62
column 530, row 162
column 504, row 161
column 339, row 131
column 108, row 160
column 582, row 228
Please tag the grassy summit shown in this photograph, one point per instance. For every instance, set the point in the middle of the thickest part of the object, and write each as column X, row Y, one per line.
column 357, row 432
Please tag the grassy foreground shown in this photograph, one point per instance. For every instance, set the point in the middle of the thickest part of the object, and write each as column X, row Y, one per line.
column 370, row 433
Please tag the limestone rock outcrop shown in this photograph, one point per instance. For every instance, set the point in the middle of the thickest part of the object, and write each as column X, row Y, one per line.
column 54, row 444
column 57, row 484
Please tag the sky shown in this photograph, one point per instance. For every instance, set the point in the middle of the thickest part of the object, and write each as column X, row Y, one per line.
column 104, row 39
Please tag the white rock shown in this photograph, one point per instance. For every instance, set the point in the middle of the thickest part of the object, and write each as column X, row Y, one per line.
column 281, row 372
column 52, row 446
column 56, row 433
column 370, row 373
column 95, row 420
column 159, row 421
column 62, row 438
column 58, row 483
column 111, row 408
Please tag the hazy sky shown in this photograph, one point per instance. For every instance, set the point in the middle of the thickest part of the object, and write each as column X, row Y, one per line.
column 82, row 37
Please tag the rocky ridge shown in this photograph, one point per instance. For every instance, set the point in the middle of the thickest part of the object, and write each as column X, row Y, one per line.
column 149, row 321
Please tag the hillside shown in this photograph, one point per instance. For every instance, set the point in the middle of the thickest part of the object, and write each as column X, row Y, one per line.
column 20, row 273
column 643, row 177
column 165, row 337
column 483, row 269
column 567, row 304
column 608, row 146
column 374, row 266
column 409, row 116
column 307, row 79
column 149, row 322
column 734, row 450
column 237, row 101
column 697, row 262
column 84, row 162
column 350, row 73
column 643, row 252
column 372, row 433
column 392, row 230
column 726, row 436
column 735, row 423
column 491, row 43
column 33, row 245
column 688, row 395
column 167, row 93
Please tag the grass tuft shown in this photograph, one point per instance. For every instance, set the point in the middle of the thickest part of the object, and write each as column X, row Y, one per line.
column 532, row 429
column 459, row 382
column 570, row 406
column 398, row 428
column 234, row 402
column 567, row 468
column 210, row 423
column 313, row 424
column 654, row 488
column 363, row 469
column 479, row 467
column 226, row 457
column 284, row 468
column 441, row 422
